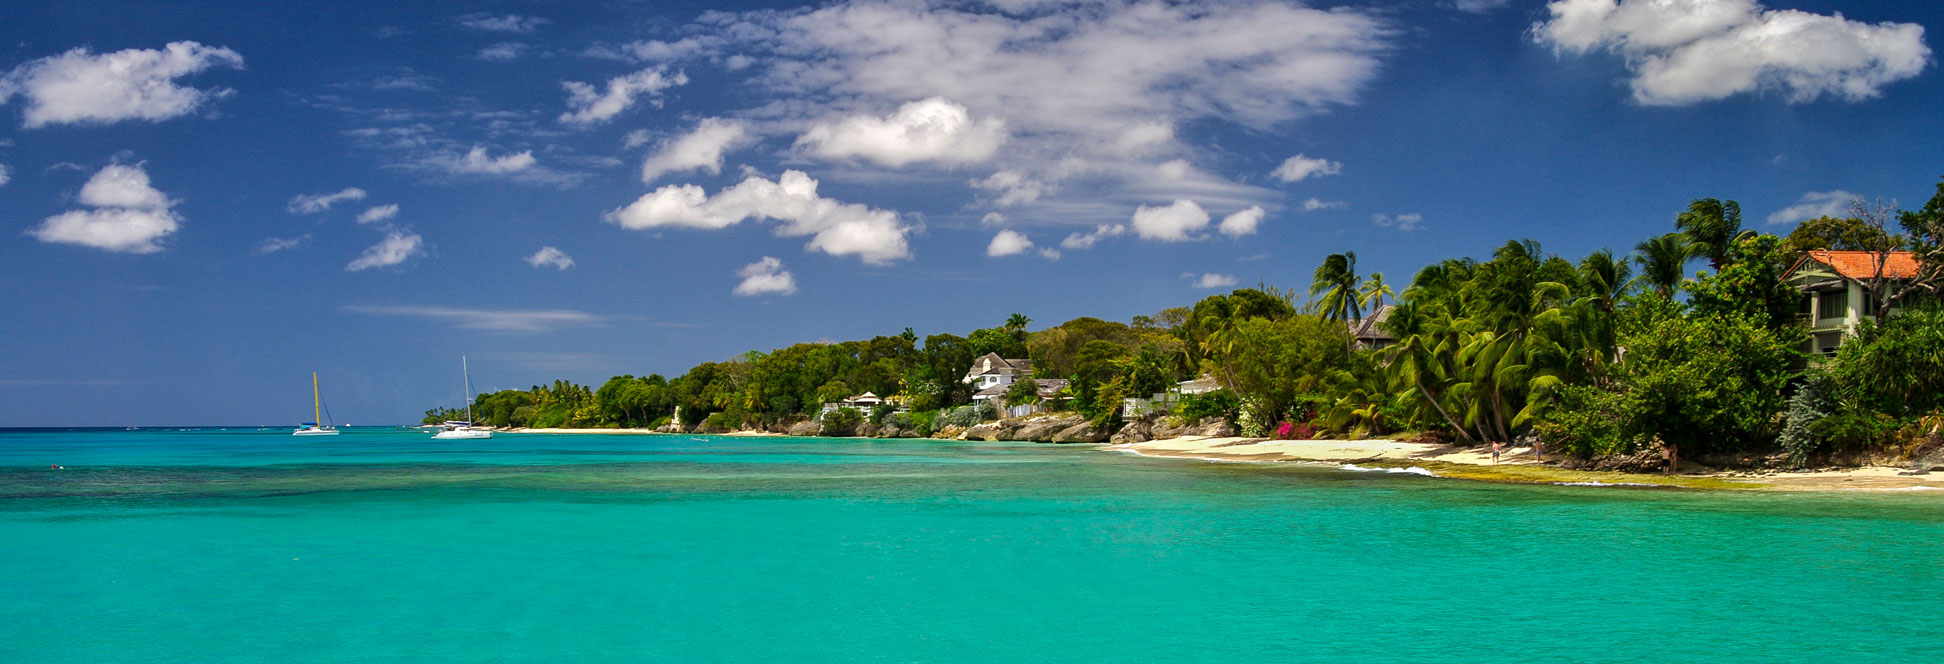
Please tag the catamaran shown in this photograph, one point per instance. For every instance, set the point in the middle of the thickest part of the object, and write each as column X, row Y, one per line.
column 312, row 428
column 454, row 429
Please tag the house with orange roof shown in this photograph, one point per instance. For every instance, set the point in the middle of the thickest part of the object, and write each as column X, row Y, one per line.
column 1839, row 285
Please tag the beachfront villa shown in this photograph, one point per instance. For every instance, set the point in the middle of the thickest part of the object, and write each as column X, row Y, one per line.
column 864, row 403
column 1839, row 285
column 1368, row 331
column 991, row 372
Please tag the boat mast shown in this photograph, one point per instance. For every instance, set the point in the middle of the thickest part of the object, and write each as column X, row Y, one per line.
column 466, row 374
column 316, row 410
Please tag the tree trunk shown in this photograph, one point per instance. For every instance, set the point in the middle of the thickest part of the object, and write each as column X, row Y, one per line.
column 1455, row 426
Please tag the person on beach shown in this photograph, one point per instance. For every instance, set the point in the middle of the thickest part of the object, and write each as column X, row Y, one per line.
column 1496, row 447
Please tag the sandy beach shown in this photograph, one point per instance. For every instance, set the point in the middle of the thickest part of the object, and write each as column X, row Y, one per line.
column 1516, row 464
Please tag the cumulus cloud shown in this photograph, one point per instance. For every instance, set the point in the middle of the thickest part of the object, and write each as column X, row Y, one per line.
column 587, row 105
column 1179, row 221
column 1815, row 204
column 1313, row 204
column 80, row 87
column 835, row 227
column 378, row 213
column 1300, row 167
column 476, row 162
column 1212, row 280
column 129, row 215
column 1687, row 51
column 495, row 320
column 315, row 203
column 509, row 23
column 550, row 257
column 765, row 277
column 1404, row 222
column 275, row 244
column 928, row 130
column 502, row 52
column 1011, row 188
column 700, row 149
column 1242, row 223
column 1007, row 243
column 5, row 176
column 1087, row 240
column 397, row 247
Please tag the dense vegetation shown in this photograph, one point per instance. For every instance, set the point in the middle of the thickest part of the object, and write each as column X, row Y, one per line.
column 1606, row 355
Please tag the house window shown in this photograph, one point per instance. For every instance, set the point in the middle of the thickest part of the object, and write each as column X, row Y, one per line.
column 1869, row 305
column 1832, row 304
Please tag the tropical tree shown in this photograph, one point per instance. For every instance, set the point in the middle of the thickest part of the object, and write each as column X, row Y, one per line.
column 1374, row 291
column 1663, row 262
column 1336, row 281
column 1711, row 226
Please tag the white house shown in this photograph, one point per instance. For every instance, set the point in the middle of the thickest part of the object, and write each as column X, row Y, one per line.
column 991, row 374
column 1838, row 284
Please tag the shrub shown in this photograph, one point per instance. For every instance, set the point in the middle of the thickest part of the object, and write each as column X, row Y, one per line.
column 840, row 422
column 1856, row 429
column 1295, row 431
column 1219, row 403
column 1813, row 401
column 968, row 416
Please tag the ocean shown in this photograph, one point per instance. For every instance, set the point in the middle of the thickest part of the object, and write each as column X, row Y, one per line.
column 382, row 545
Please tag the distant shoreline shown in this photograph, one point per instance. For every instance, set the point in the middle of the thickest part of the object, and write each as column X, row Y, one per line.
column 1516, row 464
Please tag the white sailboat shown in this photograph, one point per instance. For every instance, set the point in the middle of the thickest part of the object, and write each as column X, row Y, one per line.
column 312, row 428
column 455, row 429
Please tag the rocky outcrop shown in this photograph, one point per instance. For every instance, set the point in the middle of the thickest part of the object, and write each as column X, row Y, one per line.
column 949, row 432
column 1043, row 429
column 868, row 430
column 1137, row 431
column 1080, row 433
column 1000, row 430
column 805, row 428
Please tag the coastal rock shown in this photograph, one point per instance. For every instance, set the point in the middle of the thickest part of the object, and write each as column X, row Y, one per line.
column 1213, row 427
column 1043, row 430
column 804, row 428
column 989, row 431
column 867, row 430
column 908, row 433
column 948, row 432
column 888, row 431
column 1080, row 433
column 1135, row 432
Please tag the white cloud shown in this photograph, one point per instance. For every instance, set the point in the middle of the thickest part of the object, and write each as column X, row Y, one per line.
column 276, row 244
column 1007, row 243
column 315, row 203
column 4, row 175
column 378, row 213
column 549, row 256
column 1300, row 167
column 1088, row 239
column 1179, row 221
column 836, row 228
column 79, row 87
column 992, row 219
column 508, row 23
column 1313, row 204
column 129, row 214
column 397, row 247
column 1478, row 6
column 928, row 130
column 588, row 106
column 1815, row 204
column 765, row 277
column 1212, row 280
column 1687, row 51
column 496, row 320
column 700, row 149
column 1013, row 188
column 502, row 52
column 1404, row 222
column 1242, row 223
column 475, row 162
column 635, row 139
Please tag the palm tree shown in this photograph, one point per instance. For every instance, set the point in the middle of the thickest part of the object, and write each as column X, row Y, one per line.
column 1712, row 227
column 1017, row 323
column 1336, row 281
column 1663, row 262
column 1374, row 292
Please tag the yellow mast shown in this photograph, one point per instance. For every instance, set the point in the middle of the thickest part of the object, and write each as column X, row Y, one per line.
column 316, row 410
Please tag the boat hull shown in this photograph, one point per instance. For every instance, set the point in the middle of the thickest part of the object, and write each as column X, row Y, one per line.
column 458, row 434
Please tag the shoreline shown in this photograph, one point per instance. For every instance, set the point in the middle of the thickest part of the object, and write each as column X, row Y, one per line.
column 1516, row 464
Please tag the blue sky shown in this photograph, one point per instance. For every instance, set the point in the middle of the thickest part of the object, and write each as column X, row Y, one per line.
column 204, row 202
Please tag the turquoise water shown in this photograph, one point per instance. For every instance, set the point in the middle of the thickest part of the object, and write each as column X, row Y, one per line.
column 384, row 546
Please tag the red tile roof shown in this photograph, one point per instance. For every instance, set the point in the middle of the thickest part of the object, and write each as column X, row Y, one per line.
column 1863, row 264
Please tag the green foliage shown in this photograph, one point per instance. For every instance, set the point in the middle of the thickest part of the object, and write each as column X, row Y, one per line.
column 1813, row 400
column 1587, row 421
column 1711, row 227
column 841, row 422
column 1750, row 284
column 1024, row 390
column 1336, row 282
column 1896, row 367
column 1705, row 382
column 919, row 422
column 1853, row 430
column 967, row 416
column 1663, row 262
column 1842, row 234
column 1274, row 361
column 1219, row 403
column 1105, row 414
